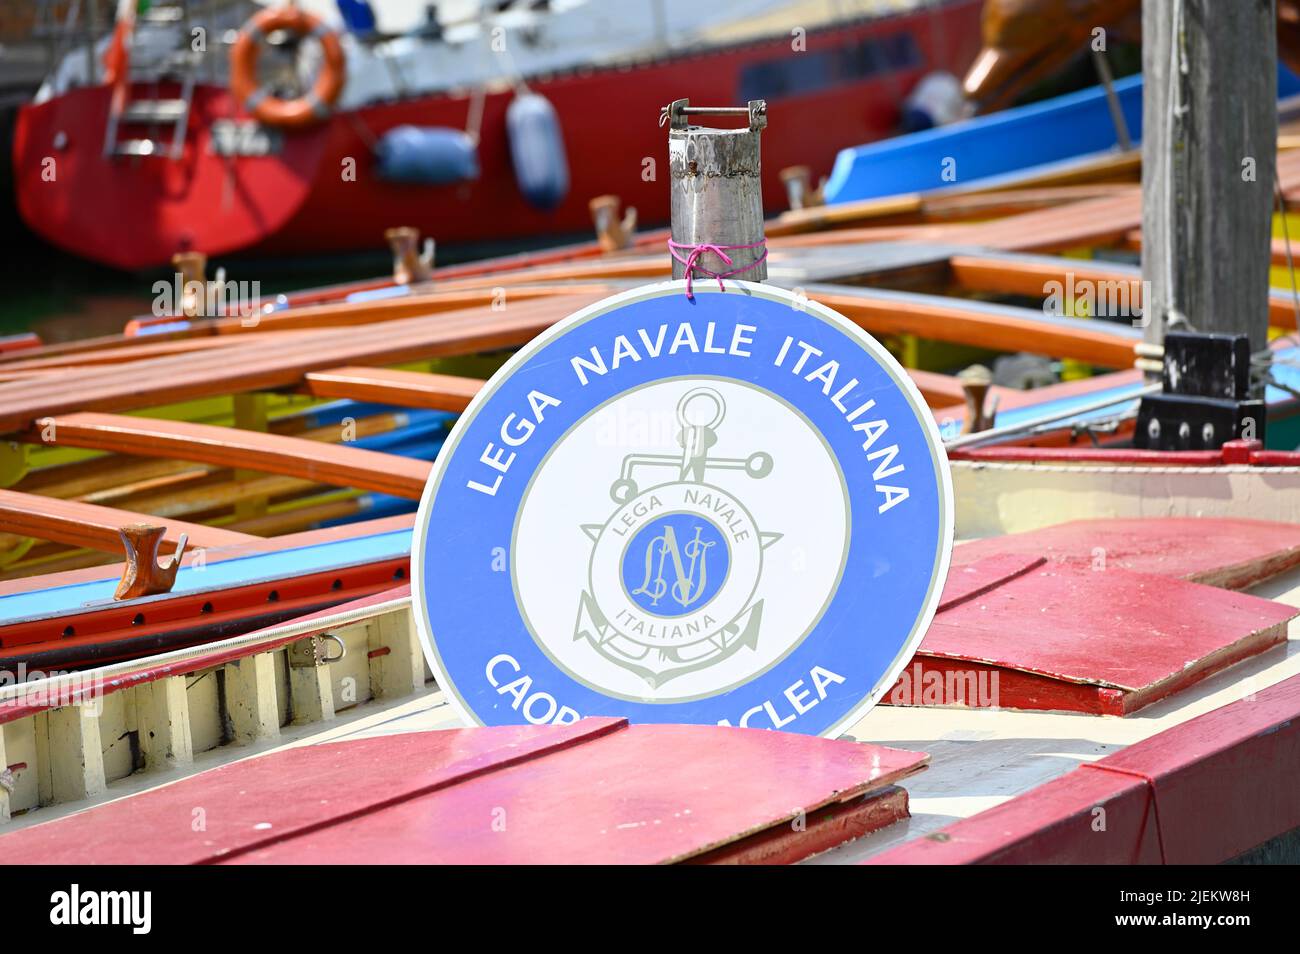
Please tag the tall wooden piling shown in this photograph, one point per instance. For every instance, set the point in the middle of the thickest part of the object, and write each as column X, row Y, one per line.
column 1208, row 159
column 717, row 192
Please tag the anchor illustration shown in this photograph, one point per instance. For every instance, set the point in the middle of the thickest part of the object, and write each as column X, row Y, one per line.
column 696, row 438
column 633, row 625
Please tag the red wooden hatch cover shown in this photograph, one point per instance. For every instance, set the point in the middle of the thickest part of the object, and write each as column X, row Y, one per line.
column 1100, row 616
column 598, row 791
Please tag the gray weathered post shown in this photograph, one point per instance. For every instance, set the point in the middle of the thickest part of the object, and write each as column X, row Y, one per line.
column 92, row 37
column 717, row 192
column 1209, row 145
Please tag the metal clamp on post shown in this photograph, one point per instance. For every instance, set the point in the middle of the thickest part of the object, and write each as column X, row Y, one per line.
column 678, row 110
column 1204, row 400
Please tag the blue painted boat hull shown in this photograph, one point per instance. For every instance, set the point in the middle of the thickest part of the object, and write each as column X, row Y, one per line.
column 1034, row 137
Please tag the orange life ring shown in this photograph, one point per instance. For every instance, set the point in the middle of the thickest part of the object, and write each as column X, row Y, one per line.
column 268, row 109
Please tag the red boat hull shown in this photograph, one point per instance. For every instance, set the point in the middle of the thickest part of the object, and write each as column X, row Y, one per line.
column 136, row 213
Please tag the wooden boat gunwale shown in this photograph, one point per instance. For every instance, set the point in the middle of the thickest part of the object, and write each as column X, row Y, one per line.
column 1157, row 732
column 1155, row 793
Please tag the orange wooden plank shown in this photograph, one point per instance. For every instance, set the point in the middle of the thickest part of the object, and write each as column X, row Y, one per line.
column 1004, row 275
column 944, row 390
column 953, row 321
column 939, row 390
column 142, row 349
column 982, row 206
column 87, row 525
column 1067, row 183
column 441, row 392
column 464, row 294
column 1010, row 276
column 1088, row 222
column 1072, row 225
column 251, row 366
column 230, row 447
column 100, row 343
column 1010, row 398
column 576, row 252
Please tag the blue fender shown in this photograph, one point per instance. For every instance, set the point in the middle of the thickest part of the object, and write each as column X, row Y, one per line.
column 426, row 155
column 537, row 150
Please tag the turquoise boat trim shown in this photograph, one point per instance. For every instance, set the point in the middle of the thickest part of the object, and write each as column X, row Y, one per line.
column 216, row 575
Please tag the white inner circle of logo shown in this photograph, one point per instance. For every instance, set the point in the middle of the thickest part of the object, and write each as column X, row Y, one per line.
column 680, row 540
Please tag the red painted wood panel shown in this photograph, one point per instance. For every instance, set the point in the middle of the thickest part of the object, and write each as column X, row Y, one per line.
column 1017, row 632
column 1085, row 634
column 1115, row 628
column 972, row 579
column 110, row 631
column 1218, row 551
column 595, row 792
column 1114, row 456
column 1117, row 456
column 1200, row 793
column 825, row 829
column 934, row 681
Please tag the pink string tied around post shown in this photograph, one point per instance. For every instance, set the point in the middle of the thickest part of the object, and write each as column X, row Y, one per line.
column 692, row 261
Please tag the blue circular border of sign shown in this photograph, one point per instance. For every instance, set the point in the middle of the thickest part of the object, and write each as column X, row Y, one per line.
column 483, row 610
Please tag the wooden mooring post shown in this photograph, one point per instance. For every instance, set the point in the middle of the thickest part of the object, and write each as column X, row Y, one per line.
column 717, row 192
column 1208, row 162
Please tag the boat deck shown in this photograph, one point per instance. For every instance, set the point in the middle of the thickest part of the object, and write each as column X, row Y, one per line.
column 979, row 758
column 973, row 246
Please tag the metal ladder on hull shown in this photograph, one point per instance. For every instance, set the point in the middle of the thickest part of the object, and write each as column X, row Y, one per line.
column 156, row 112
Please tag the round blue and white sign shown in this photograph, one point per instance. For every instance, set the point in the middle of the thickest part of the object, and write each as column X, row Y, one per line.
column 734, row 509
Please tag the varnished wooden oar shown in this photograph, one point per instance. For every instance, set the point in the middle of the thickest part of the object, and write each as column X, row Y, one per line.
column 996, row 328
column 86, row 525
column 104, row 479
column 942, row 390
column 339, row 466
column 1012, row 275
column 251, row 366
column 1108, row 168
column 142, row 349
column 441, row 392
column 450, row 393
